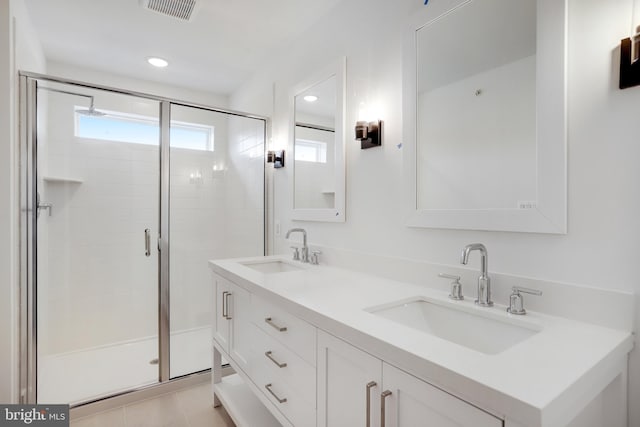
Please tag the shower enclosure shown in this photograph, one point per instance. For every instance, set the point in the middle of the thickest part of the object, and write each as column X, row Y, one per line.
column 125, row 197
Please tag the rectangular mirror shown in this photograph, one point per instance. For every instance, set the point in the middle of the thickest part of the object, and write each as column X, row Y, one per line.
column 318, row 146
column 484, row 90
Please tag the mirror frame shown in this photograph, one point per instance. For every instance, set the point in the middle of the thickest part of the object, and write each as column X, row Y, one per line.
column 550, row 213
column 337, row 213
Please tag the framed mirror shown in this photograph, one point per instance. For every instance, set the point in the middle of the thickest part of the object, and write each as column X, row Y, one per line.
column 485, row 116
column 317, row 144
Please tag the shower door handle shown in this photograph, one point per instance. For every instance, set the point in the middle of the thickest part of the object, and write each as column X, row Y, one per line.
column 147, row 242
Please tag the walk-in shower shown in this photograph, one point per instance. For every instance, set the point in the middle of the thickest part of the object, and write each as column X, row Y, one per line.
column 135, row 193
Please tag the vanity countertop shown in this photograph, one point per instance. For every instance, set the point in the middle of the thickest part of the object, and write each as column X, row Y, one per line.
column 535, row 382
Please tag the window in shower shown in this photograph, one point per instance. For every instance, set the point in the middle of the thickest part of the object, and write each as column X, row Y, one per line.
column 311, row 151
column 138, row 129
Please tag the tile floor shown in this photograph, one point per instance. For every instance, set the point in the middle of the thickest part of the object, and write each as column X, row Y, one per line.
column 189, row 407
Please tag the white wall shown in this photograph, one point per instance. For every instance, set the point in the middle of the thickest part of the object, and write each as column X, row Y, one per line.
column 19, row 50
column 603, row 150
column 244, row 188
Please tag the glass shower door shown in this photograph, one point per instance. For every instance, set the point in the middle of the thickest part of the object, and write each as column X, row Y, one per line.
column 97, row 259
column 216, row 211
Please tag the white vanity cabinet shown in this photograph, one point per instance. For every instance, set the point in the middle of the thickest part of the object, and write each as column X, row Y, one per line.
column 414, row 402
column 232, row 321
column 356, row 388
column 273, row 354
column 283, row 362
column 349, row 384
column 312, row 347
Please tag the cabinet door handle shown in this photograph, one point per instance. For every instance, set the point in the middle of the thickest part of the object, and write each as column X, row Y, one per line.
column 226, row 298
column 383, row 400
column 224, row 304
column 273, row 325
column 268, row 387
column 270, row 357
column 147, row 241
column 370, row 385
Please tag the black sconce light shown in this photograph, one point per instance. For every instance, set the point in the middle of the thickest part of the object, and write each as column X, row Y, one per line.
column 629, row 61
column 369, row 134
column 276, row 157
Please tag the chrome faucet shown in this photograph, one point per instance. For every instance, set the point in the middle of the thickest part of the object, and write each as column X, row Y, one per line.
column 304, row 251
column 484, row 283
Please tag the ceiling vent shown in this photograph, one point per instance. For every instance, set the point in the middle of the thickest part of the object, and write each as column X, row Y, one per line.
column 179, row 9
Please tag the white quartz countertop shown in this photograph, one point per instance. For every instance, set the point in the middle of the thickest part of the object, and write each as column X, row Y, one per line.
column 536, row 382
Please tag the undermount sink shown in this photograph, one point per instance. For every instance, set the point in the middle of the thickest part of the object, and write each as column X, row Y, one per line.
column 477, row 331
column 274, row 266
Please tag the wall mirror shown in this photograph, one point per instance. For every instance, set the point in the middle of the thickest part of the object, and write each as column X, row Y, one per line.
column 485, row 128
column 317, row 129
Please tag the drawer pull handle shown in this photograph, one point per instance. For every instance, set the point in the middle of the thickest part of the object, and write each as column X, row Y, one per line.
column 270, row 357
column 370, row 385
column 273, row 325
column 383, row 400
column 268, row 387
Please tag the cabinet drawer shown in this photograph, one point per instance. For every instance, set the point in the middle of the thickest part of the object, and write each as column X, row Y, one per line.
column 293, row 333
column 288, row 401
column 284, row 365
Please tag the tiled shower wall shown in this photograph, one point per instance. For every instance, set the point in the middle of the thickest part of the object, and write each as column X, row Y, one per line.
column 100, row 288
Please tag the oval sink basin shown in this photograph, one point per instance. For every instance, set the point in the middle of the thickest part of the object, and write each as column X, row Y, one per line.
column 473, row 330
column 275, row 266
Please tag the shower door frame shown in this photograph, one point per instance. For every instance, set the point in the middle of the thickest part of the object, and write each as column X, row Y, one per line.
column 28, row 226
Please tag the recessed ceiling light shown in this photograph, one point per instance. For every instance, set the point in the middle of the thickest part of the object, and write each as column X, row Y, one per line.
column 310, row 98
column 157, row 62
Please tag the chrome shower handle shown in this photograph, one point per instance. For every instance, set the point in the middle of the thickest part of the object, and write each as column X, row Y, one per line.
column 147, row 242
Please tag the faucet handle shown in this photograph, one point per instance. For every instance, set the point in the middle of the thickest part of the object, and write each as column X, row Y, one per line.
column 516, row 302
column 456, row 287
column 296, row 253
column 314, row 259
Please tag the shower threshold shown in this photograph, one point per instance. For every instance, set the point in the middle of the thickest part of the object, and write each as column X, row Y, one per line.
column 90, row 374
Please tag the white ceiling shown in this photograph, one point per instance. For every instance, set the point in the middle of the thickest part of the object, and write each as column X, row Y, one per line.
column 324, row 106
column 223, row 45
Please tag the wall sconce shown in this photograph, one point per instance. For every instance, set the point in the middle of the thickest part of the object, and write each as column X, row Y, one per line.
column 195, row 177
column 218, row 171
column 276, row 157
column 369, row 134
column 629, row 62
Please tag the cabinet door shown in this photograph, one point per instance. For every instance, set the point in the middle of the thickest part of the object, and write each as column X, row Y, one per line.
column 220, row 317
column 413, row 402
column 239, row 314
column 347, row 379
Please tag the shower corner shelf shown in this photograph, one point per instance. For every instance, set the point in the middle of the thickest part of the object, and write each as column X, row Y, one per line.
column 62, row 180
